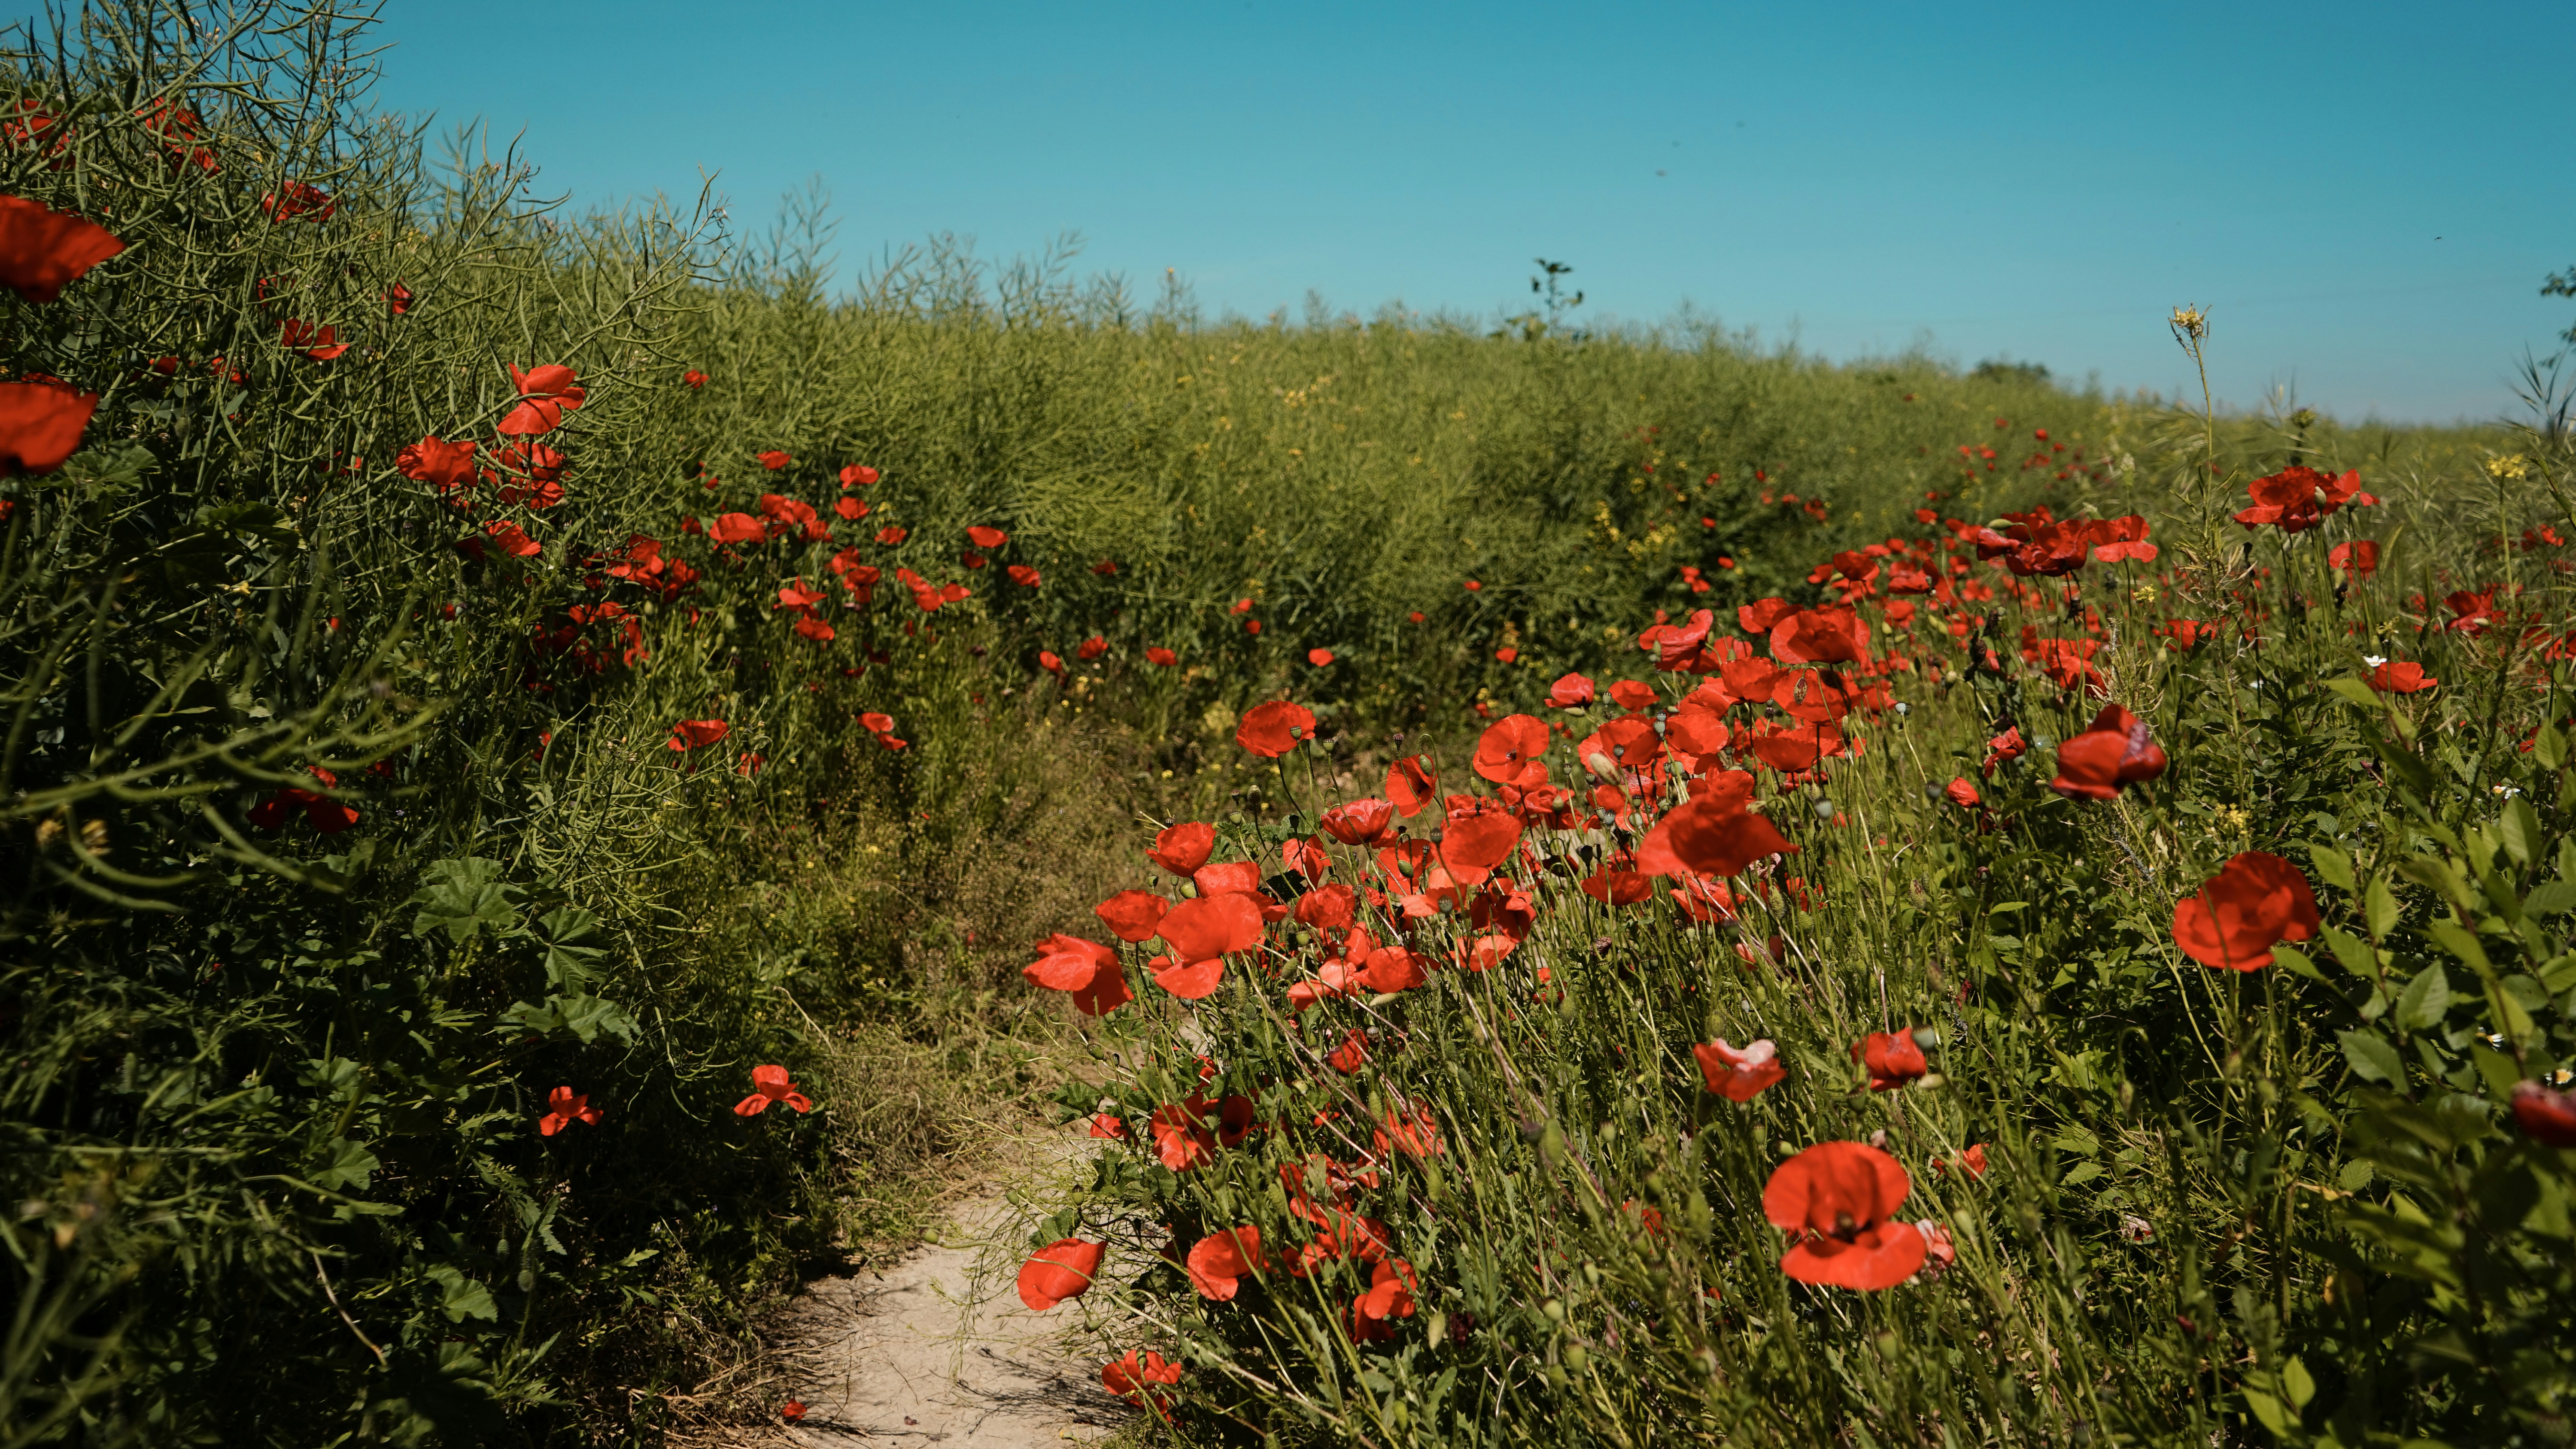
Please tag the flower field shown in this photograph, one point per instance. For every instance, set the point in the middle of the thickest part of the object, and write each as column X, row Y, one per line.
column 1618, row 888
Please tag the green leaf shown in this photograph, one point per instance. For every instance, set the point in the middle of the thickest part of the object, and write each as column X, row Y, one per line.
column 2421, row 1005
column 2296, row 1383
column 2520, row 827
column 2462, row 943
column 462, row 1297
column 462, row 897
column 2352, row 953
column 2333, row 865
column 2550, row 749
column 2442, row 876
column 2265, row 1407
column 572, row 961
column 349, row 1166
column 2549, row 898
column 2295, row 961
column 2559, row 974
column 2372, row 1058
column 2357, row 692
column 2380, row 905
column 583, row 1016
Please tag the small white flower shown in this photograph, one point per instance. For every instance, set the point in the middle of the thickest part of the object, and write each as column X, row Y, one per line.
column 2373, row 660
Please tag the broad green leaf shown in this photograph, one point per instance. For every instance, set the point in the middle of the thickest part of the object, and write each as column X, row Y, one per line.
column 2333, row 866
column 2354, row 691
column 462, row 1296
column 347, row 1165
column 572, row 953
column 2295, row 961
column 2549, row 898
column 2380, row 905
column 2265, row 1407
column 2296, row 1383
column 2519, row 827
column 585, row 1017
column 2440, row 875
column 462, row 897
column 2550, row 749
column 2372, row 1057
column 2462, row 943
column 2559, row 974
column 2421, row 1005
column 2352, row 953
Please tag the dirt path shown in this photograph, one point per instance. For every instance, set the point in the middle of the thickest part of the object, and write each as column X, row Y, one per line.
column 928, row 1350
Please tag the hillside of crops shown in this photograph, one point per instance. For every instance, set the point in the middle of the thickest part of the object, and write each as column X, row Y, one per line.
column 539, row 743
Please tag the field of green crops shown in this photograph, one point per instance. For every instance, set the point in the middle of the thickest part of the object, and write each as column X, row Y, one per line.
column 1614, row 887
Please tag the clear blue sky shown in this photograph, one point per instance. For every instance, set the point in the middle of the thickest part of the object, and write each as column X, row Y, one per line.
column 2366, row 196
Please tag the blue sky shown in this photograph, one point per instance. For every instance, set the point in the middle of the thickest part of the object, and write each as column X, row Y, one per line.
column 2365, row 196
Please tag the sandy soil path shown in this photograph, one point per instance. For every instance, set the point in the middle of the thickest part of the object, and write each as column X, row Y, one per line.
column 930, row 1350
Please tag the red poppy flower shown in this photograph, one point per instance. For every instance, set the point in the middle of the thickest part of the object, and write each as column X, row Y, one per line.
column 2403, row 676
column 2299, row 498
column 2359, row 558
column 1086, row 970
column 793, row 1411
column 1391, row 968
column 1182, row 849
column 1330, row 907
column 986, row 537
column 1961, row 793
column 1161, row 657
column 564, row 1107
column 41, row 425
column 511, row 539
column 1836, row 1200
column 1023, row 575
column 2545, row 1116
column 1409, row 783
column 1821, row 636
column 1360, row 822
column 1182, row 1137
column 299, row 198
column 1205, row 928
column 1572, row 691
column 857, row 475
column 694, row 378
column 322, row 344
column 1136, row 1381
column 443, row 465
column 1320, row 658
column 1473, row 841
column 2109, row 756
column 1892, row 1057
column 736, row 528
column 44, row 251
column 545, row 395
column 1510, row 751
column 1240, row 877
column 1218, row 1264
column 1633, row 695
column 691, row 734
column 2254, row 903
column 770, row 1084
column 1062, row 1269
column 1132, row 916
column 1710, row 835
column 876, row 723
column 1972, row 1161
column 1048, row 661
column 892, row 535
column 1273, row 729
column 1391, row 1289
column 1739, row 1074
column 1761, row 616
column 1416, row 1136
